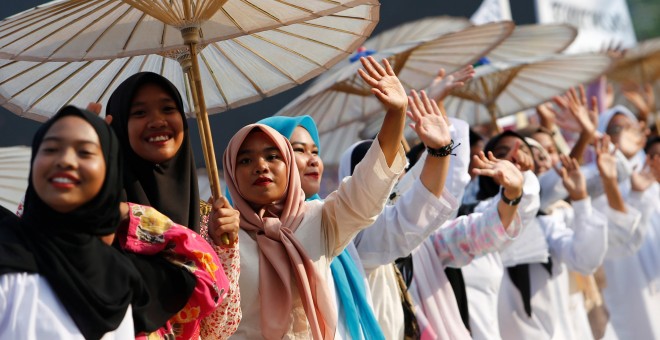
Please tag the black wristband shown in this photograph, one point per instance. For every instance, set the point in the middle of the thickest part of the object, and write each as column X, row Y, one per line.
column 443, row 151
column 508, row 201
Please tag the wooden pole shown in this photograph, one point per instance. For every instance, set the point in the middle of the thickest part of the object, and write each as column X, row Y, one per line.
column 191, row 38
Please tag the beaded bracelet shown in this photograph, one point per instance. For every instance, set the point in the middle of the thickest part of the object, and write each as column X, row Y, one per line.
column 443, row 151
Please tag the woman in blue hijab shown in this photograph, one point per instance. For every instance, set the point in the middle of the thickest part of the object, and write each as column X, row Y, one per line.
column 356, row 316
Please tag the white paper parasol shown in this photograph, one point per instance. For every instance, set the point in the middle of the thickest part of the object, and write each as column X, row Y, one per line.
column 14, row 172
column 500, row 89
column 341, row 99
column 93, row 29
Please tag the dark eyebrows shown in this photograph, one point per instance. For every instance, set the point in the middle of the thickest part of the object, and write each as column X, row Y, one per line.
column 59, row 140
column 166, row 100
column 247, row 151
column 303, row 144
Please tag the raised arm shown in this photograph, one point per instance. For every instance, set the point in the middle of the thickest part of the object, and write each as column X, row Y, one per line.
column 388, row 89
column 581, row 247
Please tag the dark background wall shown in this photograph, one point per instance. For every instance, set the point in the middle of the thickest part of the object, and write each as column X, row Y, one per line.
column 15, row 130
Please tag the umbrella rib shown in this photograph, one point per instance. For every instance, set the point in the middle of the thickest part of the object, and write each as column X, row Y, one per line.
column 38, row 28
column 107, row 63
column 48, row 12
column 19, row 73
column 343, row 109
column 114, row 79
column 39, row 80
column 86, row 27
column 254, row 85
column 309, row 11
column 98, row 39
column 327, row 27
column 266, row 60
column 231, row 18
column 215, row 79
column 308, row 39
column 321, row 99
column 137, row 23
column 262, row 11
column 57, row 86
column 287, row 49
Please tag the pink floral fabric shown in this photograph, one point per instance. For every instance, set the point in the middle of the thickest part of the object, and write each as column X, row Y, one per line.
column 149, row 233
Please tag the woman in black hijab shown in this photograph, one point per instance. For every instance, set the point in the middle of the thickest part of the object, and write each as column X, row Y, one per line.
column 93, row 282
column 169, row 186
column 148, row 116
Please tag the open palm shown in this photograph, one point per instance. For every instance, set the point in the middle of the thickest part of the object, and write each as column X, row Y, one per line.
column 384, row 82
column 429, row 123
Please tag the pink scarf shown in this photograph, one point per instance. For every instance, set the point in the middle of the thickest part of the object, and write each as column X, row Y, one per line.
column 281, row 256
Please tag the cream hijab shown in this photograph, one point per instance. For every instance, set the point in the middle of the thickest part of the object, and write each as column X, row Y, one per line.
column 281, row 256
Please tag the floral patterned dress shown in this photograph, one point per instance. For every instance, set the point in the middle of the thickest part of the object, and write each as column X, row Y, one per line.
column 223, row 322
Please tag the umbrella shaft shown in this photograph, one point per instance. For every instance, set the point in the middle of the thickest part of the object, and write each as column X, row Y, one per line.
column 203, row 123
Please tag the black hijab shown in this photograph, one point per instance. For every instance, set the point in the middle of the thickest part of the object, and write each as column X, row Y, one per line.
column 93, row 281
column 170, row 187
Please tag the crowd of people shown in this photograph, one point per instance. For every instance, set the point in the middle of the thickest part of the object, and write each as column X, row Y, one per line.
column 498, row 235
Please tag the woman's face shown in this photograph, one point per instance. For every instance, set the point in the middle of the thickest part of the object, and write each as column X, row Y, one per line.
column 504, row 150
column 261, row 173
column 155, row 125
column 69, row 167
column 626, row 134
column 310, row 165
column 548, row 144
column 653, row 159
column 541, row 162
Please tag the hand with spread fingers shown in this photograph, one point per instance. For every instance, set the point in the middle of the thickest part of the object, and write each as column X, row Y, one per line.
column 224, row 220
column 642, row 180
column 642, row 98
column 574, row 108
column 442, row 86
column 572, row 178
column 505, row 173
column 521, row 159
column 384, row 82
column 430, row 124
column 605, row 159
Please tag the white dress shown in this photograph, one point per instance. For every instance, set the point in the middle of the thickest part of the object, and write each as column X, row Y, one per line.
column 414, row 214
column 483, row 276
column 580, row 248
column 30, row 310
column 326, row 229
column 632, row 293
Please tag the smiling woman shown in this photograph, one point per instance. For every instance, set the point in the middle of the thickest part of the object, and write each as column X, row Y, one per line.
column 69, row 166
column 52, row 261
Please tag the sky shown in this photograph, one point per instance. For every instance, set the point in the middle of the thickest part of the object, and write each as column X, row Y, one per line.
column 16, row 130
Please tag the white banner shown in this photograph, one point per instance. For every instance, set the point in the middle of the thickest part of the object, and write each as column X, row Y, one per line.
column 600, row 23
column 492, row 10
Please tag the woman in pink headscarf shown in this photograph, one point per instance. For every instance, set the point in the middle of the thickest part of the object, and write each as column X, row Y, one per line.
column 287, row 244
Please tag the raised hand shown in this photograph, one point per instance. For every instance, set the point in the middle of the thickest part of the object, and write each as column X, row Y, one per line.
column 224, row 220
column 503, row 172
column 572, row 178
column 430, row 124
column 521, row 159
column 96, row 109
column 642, row 180
column 642, row 99
column 442, row 86
column 574, row 109
column 384, row 82
column 605, row 159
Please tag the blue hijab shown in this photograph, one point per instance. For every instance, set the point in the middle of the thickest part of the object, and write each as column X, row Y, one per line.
column 359, row 316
